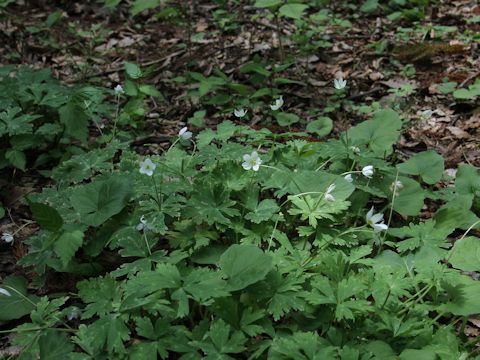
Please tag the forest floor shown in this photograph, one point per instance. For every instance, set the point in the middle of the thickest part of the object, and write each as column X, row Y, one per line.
column 411, row 65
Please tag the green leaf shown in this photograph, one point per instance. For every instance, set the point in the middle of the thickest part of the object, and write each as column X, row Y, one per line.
column 465, row 254
column 302, row 345
column 286, row 119
column 244, row 265
column 46, row 216
column 428, row 164
column 203, row 285
column 19, row 303
column 17, row 158
column 150, row 91
column 225, row 130
column 321, row 127
column 100, row 200
column 420, row 235
column 133, row 70
column 294, row 11
column 379, row 133
column 211, row 203
column 409, row 200
column 67, row 244
column 454, row 216
column 312, row 209
column 263, row 211
column 468, row 94
column 267, row 3
column 467, row 180
column 222, row 341
column 369, row 6
column 54, row 345
column 73, row 116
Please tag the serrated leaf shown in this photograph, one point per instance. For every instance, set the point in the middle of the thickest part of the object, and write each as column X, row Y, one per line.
column 133, row 70
column 312, row 209
column 54, row 345
column 46, row 216
column 67, row 245
column 428, row 164
column 244, row 265
column 263, row 211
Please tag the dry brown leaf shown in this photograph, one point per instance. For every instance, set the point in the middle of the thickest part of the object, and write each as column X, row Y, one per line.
column 459, row 133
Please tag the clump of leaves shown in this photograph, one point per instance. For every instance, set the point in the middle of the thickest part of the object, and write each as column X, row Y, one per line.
column 40, row 115
column 229, row 245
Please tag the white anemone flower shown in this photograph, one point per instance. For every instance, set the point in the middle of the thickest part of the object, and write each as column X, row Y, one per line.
column 252, row 161
column 278, row 104
column 185, row 134
column 240, row 112
column 396, row 186
column 7, row 237
column 147, row 167
column 74, row 313
column 348, row 177
column 118, row 90
column 328, row 194
column 143, row 224
column 375, row 221
column 426, row 114
column 5, row 292
column 355, row 149
column 340, row 83
column 367, row 171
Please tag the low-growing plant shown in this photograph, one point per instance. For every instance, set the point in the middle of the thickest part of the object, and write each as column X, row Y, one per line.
column 41, row 116
column 231, row 245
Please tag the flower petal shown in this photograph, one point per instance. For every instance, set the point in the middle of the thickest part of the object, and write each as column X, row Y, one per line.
column 376, row 218
column 5, row 292
column 380, row 227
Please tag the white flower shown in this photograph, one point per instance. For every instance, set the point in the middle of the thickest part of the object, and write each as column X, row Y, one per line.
column 143, row 224
column 184, row 133
column 355, row 149
column 375, row 221
column 74, row 313
column 328, row 194
column 7, row 237
column 426, row 114
column 339, row 83
column 5, row 292
column 396, row 186
column 278, row 104
column 349, row 178
column 251, row 162
column 367, row 171
column 240, row 112
column 118, row 90
column 147, row 167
